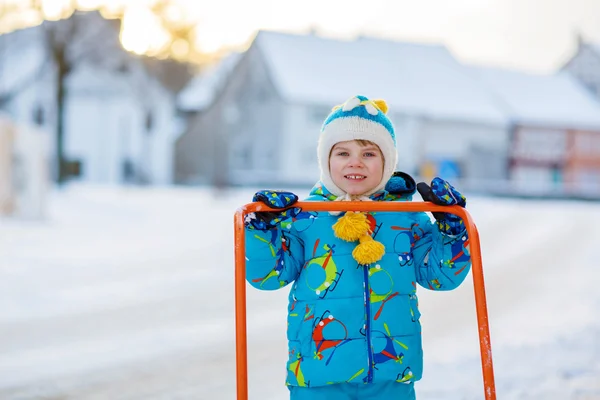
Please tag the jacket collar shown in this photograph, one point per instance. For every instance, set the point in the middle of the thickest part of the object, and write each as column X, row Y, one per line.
column 320, row 190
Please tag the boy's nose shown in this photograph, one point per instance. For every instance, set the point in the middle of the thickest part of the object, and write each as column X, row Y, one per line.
column 355, row 162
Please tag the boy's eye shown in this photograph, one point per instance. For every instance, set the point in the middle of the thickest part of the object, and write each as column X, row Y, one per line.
column 370, row 154
column 342, row 153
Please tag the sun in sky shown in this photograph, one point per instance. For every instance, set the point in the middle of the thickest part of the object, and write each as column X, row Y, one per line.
column 141, row 32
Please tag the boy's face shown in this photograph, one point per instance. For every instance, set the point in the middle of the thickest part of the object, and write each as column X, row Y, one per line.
column 354, row 168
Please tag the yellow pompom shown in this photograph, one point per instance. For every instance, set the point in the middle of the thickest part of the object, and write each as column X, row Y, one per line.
column 382, row 105
column 368, row 251
column 351, row 226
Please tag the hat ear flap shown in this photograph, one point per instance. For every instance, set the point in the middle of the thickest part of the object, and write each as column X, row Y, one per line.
column 382, row 105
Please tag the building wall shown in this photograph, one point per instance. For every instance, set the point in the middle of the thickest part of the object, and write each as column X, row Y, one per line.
column 533, row 145
column 538, row 156
column 121, row 132
column 99, row 134
column 159, row 131
column 236, row 140
column 408, row 131
column 556, row 159
column 460, row 143
column 256, row 154
column 582, row 167
column 193, row 158
column 302, row 126
column 28, row 79
column 419, row 141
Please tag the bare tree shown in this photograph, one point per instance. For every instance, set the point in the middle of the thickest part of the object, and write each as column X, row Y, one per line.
column 173, row 74
column 82, row 38
column 89, row 38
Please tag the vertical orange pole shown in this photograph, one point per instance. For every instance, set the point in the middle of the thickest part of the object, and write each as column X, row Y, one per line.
column 476, row 268
column 485, row 345
column 241, row 347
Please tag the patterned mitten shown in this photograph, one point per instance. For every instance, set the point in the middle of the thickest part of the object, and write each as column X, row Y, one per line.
column 444, row 194
column 275, row 199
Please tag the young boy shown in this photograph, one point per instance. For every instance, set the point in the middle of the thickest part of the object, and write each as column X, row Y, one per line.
column 353, row 317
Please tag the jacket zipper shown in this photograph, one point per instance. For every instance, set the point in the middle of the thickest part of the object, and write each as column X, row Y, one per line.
column 368, row 324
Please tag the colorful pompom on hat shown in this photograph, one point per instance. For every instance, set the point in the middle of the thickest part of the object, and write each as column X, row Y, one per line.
column 363, row 119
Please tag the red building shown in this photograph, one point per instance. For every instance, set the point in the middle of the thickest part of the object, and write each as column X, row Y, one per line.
column 555, row 139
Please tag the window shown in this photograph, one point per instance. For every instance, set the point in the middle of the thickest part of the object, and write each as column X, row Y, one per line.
column 128, row 170
column 242, row 156
column 39, row 116
column 149, row 122
column 540, row 145
column 73, row 168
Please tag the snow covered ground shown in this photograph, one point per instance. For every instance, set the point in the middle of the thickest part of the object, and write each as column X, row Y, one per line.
column 127, row 293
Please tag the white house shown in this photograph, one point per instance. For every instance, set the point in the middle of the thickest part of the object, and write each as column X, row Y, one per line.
column 120, row 126
column 264, row 124
column 26, row 79
column 119, row 117
column 555, row 141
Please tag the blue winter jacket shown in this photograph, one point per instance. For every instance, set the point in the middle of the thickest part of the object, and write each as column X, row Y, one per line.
column 349, row 322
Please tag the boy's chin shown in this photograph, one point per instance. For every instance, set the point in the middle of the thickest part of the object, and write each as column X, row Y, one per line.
column 354, row 188
column 354, row 191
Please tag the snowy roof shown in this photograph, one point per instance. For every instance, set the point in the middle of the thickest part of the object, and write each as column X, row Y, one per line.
column 413, row 78
column 22, row 58
column 556, row 100
column 201, row 90
column 24, row 54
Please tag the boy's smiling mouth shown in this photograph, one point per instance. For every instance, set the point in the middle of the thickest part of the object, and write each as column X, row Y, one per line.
column 355, row 177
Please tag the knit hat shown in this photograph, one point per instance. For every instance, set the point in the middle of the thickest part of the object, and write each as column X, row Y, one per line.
column 363, row 119
column 358, row 119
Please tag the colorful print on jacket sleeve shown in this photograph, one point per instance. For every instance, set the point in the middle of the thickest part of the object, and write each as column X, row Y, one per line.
column 442, row 261
column 273, row 257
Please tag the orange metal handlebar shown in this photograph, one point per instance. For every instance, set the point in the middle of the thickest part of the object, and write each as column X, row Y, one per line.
column 476, row 267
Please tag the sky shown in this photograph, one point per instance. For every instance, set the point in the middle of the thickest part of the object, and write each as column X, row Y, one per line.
column 530, row 34
column 536, row 35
